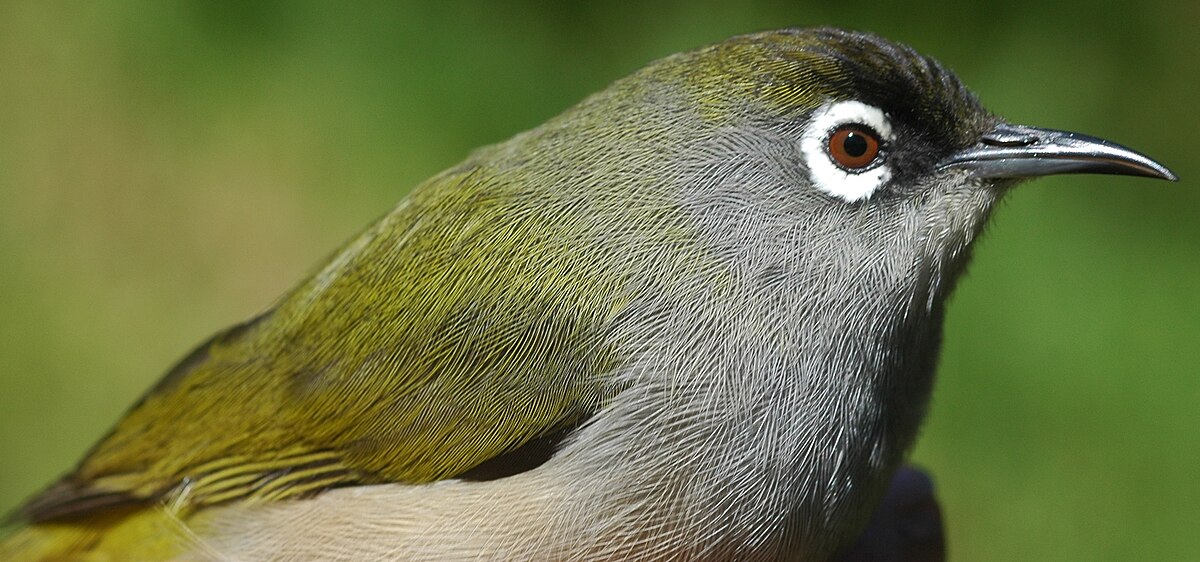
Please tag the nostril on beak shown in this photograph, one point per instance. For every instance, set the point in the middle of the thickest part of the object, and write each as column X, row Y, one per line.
column 1010, row 136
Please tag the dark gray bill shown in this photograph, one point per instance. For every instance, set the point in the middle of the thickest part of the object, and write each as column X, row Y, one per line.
column 1015, row 151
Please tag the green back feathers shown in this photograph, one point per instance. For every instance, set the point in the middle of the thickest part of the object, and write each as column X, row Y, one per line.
column 473, row 319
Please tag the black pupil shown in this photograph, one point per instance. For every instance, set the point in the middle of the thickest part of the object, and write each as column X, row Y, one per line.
column 855, row 144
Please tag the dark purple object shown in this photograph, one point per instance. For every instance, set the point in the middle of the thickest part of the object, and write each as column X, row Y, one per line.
column 906, row 527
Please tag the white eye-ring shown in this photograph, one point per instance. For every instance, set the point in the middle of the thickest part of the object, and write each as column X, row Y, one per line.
column 842, row 149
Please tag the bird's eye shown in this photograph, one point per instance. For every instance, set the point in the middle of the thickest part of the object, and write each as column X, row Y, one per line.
column 853, row 147
column 845, row 147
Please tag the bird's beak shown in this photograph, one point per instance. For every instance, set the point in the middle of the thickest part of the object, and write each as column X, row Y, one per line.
column 1015, row 151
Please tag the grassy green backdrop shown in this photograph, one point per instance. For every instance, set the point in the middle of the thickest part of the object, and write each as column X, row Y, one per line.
column 168, row 168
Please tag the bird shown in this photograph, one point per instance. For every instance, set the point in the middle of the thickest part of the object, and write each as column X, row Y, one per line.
column 696, row 316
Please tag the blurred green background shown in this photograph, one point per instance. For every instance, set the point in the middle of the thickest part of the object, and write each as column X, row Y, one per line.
column 169, row 168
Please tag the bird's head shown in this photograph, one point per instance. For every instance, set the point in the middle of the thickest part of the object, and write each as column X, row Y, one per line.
column 844, row 145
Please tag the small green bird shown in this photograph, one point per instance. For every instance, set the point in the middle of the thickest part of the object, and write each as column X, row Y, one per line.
column 695, row 317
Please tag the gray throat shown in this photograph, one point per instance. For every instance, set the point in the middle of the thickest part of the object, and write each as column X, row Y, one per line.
column 784, row 393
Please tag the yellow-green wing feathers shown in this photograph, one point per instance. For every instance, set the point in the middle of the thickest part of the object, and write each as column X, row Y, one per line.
column 437, row 340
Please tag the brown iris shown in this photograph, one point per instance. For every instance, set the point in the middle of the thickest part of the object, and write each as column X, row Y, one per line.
column 854, row 147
